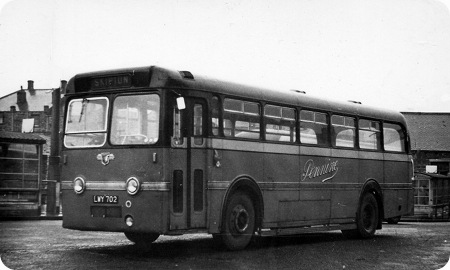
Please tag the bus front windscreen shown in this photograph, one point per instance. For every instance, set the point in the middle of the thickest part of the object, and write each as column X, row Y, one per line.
column 86, row 122
column 135, row 120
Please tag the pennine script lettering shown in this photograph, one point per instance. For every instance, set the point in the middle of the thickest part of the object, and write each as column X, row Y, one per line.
column 313, row 171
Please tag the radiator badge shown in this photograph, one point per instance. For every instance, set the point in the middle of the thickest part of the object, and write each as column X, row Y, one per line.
column 105, row 157
column 325, row 171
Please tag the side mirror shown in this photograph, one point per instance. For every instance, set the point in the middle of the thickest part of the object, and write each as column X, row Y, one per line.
column 180, row 103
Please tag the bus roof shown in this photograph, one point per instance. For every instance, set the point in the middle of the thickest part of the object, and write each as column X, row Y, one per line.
column 159, row 77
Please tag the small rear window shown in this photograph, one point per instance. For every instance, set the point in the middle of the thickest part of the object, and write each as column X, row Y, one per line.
column 394, row 138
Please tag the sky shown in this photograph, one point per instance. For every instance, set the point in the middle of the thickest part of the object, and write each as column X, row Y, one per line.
column 392, row 54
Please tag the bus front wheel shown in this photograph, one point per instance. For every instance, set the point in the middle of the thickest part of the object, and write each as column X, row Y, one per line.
column 239, row 222
column 367, row 218
column 142, row 239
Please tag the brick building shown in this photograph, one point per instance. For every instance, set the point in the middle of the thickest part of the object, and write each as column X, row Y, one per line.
column 26, row 113
column 430, row 140
column 33, row 106
column 430, row 145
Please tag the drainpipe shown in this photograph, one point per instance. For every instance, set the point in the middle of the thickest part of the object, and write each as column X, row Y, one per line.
column 53, row 168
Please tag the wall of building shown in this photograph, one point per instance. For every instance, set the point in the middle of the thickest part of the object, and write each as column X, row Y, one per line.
column 423, row 157
column 12, row 120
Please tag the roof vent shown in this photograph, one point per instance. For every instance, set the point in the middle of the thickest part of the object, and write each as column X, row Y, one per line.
column 187, row 75
column 298, row 91
column 356, row 102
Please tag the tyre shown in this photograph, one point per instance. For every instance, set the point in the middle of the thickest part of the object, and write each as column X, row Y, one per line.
column 142, row 239
column 393, row 220
column 238, row 224
column 367, row 218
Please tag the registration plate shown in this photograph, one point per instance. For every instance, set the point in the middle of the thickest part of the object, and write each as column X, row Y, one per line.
column 108, row 199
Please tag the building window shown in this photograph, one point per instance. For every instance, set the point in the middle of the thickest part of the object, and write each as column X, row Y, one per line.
column 19, row 166
column 422, row 191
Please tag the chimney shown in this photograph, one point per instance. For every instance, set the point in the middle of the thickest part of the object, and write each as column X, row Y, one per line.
column 31, row 87
column 63, row 86
column 21, row 97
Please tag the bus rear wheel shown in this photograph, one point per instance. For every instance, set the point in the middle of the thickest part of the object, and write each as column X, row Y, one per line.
column 142, row 239
column 367, row 218
column 239, row 222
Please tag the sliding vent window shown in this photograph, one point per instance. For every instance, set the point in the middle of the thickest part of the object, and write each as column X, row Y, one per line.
column 241, row 119
column 314, row 128
column 343, row 131
column 86, row 122
column 280, row 123
column 135, row 120
column 369, row 135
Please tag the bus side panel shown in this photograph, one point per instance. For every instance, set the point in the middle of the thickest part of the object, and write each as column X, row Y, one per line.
column 215, row 190
column 233, row 164
column 303, row 213
column 398, row 203
column 316, row 172
column 281, row 183
column 215, row 196
column 345, row 191
column 397, row 190
column 370, row 166
column 240, row 163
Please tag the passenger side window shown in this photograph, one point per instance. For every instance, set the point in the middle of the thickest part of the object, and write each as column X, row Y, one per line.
column 241, row 119
column 343, row 131
column 314, row 128
column 280, row 123
column 369, row 135
column 394, row 138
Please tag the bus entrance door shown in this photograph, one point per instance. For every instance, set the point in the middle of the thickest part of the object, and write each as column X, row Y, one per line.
column 188, row 210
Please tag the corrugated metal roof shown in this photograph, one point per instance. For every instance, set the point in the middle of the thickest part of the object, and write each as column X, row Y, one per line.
column 6, row 136
column 429, row 131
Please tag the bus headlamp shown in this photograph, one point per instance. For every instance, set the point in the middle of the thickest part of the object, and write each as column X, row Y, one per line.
column 79, row 185
column 133, row 185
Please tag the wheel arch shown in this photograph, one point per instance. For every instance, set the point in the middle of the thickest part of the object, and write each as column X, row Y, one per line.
column 248, row 185
column 372, row 186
